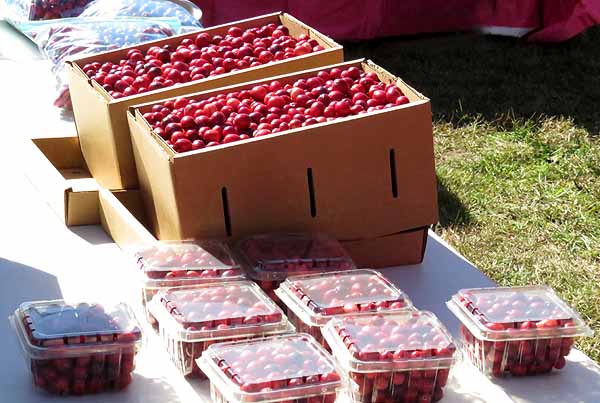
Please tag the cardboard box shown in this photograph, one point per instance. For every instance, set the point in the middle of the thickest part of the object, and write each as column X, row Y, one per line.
column 361, row 179
column 122, row 217
column 101, row 120
column 55, row 166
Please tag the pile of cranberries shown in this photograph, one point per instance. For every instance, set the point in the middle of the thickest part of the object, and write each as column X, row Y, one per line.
column 528, row 333
column 199, row 57
column 56, row 329
column 189, row 124
column 401, row 358
column 312, row 300
column 270, row 258
column 287, row 369
column 213, row 313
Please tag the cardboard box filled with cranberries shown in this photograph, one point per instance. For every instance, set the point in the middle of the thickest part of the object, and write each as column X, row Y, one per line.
column 76, row 349
column 516, row 330
column 192, row 318
column 104, row 85
column 270, row 258
column 325, row 150
column 174, row 264
column 313, row 300
column 292, row 368
column 401, row 357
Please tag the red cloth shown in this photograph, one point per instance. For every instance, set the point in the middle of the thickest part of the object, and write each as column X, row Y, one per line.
column 566, row 19
column 553, row 20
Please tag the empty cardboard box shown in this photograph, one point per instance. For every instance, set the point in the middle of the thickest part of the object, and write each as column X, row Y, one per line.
column 102, row 122
column 366, row 179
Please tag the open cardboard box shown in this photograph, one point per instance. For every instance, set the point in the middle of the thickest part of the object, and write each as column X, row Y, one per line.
column 55, row 166
column 368, row 180
column 102, row 122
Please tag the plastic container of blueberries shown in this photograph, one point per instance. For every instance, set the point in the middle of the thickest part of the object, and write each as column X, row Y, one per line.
column 76, row 349
column 161, row 266
column 379, row 371
column 306, row 371
column 188, row 329
column 270, row 258
column 501, row 337
column 309, row 309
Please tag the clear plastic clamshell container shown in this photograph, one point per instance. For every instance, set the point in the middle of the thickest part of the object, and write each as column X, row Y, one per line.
column 291, row 369
column 192, row 318
column 516, row 330
column 172, row 264
column 399, row 357
column 312, row 300
column 271, row 258
column 76, row 349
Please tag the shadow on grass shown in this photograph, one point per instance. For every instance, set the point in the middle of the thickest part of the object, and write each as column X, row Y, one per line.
column 468, row 74
column 452, row 211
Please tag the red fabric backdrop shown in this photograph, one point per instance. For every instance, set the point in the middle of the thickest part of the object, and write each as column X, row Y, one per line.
column 551, row 20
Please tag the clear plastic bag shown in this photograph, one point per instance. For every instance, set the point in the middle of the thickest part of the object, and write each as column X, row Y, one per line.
column 78, row 37
column 36, row 10
column 186, row 12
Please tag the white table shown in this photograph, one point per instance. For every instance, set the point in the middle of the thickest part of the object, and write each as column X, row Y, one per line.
column 42, row 259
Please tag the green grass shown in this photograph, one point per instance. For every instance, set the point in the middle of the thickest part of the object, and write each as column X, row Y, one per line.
column 518, row 155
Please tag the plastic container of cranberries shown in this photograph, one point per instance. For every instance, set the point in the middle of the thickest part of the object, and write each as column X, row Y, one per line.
column 271, row 258
column 172, row 264
column 312, row 300
column 516, row 330
column 292, row 368
column 399, row 357
column 190, row 319
column 76, row 349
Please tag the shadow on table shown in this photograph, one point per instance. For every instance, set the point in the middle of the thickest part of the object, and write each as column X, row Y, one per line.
column 20, row 283
column 582, row 385
column 93, row 234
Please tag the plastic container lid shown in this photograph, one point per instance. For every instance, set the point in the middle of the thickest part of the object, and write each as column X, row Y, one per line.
column 169, row 264
column 272, row 257
column 389, row 341
column 516, row 313
column 271, row 369
column 52, row 329
column 216, row 311
column 317, row 298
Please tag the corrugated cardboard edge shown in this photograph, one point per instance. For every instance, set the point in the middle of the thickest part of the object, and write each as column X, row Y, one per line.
column 118, row 221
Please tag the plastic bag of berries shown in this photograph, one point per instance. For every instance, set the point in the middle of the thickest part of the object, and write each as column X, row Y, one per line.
column 399, row 357
column 270, row 258
column 290, row 369
column 192, row 318
column 185, row 11
column 80, row 348
column 516, row 330
column 38, row 10
column 170, row 264
column 313, row 300
column 78, row 37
